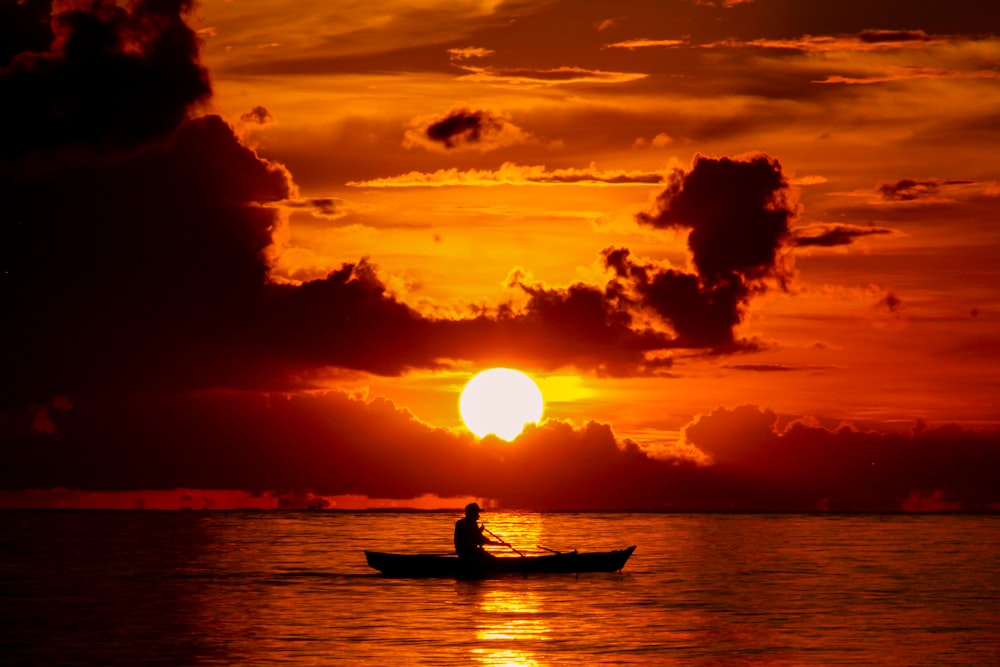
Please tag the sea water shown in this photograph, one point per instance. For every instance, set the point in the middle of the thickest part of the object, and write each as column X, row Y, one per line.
column 292, row 588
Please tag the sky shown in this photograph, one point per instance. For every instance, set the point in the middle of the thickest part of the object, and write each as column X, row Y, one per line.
column 252, row 251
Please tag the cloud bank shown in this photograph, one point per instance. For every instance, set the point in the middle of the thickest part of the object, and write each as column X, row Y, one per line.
column 333, row 444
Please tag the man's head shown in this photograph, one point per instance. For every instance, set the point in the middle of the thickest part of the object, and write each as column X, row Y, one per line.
column 472, row 510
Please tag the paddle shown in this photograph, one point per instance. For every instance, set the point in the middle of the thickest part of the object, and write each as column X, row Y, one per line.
column 555, row 551
column 500, row 541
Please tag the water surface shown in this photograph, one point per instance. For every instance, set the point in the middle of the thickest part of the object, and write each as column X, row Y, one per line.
column 292, row 588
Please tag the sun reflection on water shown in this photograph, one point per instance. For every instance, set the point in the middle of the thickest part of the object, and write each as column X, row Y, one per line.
column 504, row 658
column 507, row 621
column 521, row 531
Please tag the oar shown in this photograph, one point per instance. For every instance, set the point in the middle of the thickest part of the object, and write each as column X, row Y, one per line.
column 506, row 544
column 539, row 546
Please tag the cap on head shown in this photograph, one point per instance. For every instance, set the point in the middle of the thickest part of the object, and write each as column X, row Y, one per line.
column 472, row 509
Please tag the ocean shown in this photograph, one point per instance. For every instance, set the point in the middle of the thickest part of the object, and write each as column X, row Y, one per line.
column 137, row 588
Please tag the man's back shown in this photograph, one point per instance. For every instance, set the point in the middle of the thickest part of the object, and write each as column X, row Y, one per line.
column 468, row 538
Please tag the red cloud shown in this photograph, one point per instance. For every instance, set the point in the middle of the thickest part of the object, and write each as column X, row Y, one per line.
column 332, row 444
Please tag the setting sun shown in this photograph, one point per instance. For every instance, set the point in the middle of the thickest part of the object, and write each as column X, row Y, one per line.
column 500, row 401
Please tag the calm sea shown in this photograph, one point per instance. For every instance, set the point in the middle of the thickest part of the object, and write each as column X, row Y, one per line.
column 292, row 588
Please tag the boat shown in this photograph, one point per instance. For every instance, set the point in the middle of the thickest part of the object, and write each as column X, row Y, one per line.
column 435, row 565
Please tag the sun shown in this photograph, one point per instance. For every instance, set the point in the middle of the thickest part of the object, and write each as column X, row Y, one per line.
column 500, row 401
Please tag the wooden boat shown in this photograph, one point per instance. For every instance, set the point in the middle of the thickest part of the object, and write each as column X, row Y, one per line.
column 431, row 565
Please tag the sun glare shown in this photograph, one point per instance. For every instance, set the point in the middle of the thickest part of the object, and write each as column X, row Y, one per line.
column 500, row 401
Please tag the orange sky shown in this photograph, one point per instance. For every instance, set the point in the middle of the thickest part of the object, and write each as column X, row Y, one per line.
column 709, row 230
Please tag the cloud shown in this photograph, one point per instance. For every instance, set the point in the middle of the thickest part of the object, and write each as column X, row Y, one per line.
column 915, row 72
column 327, row 444
column 830, row 235
column 864, row 41
column 661, row 140
column 257, row 116
column 908, row 189
column 110, row 76
column 646, row 309
column 768, row 368
column 324, row 444
column 847, row 468
column 606, row 335
column 738, row 213
column 632, row 44
column 142, row 269
column 24, row 27
column 890, row 302
column 146, row 346
column 510, row 173
column 893, row 36
column 547, row 77
column 152, row 268
column 464, row 128
column 701, row 316
column 469, row 52
column 329, row 208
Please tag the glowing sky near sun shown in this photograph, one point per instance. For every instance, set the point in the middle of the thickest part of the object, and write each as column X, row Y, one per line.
column 693, row 223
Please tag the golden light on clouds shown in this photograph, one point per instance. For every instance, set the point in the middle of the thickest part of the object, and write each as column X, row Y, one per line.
column 688, row 220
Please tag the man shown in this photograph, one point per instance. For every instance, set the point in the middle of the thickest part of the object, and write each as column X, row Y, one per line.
column 469, row 538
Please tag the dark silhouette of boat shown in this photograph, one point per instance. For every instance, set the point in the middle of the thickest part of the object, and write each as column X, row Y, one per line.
column 433, row 565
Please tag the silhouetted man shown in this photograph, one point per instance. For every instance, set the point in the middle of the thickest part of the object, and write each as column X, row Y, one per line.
column 469, row 538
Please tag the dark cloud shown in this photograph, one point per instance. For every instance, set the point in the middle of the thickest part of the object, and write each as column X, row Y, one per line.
column 147, row 266
column 465, row 128
column 350, row 319
column 701, row 316
column 876, row 36
column 258, row 115
column 830, row 235
column 24, row 28
column 136, row 244
column 321, row 207
column 135, row 269
column 582, row 325
column 737, row 211
column 890, row 302
column 909, row 189
column 803, row 465
column 328, row 444
column 111, row 77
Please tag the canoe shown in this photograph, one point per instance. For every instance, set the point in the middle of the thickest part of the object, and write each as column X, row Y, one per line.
column 432, row 565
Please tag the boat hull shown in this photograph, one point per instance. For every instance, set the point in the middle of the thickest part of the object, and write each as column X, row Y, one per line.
column 430, row 565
